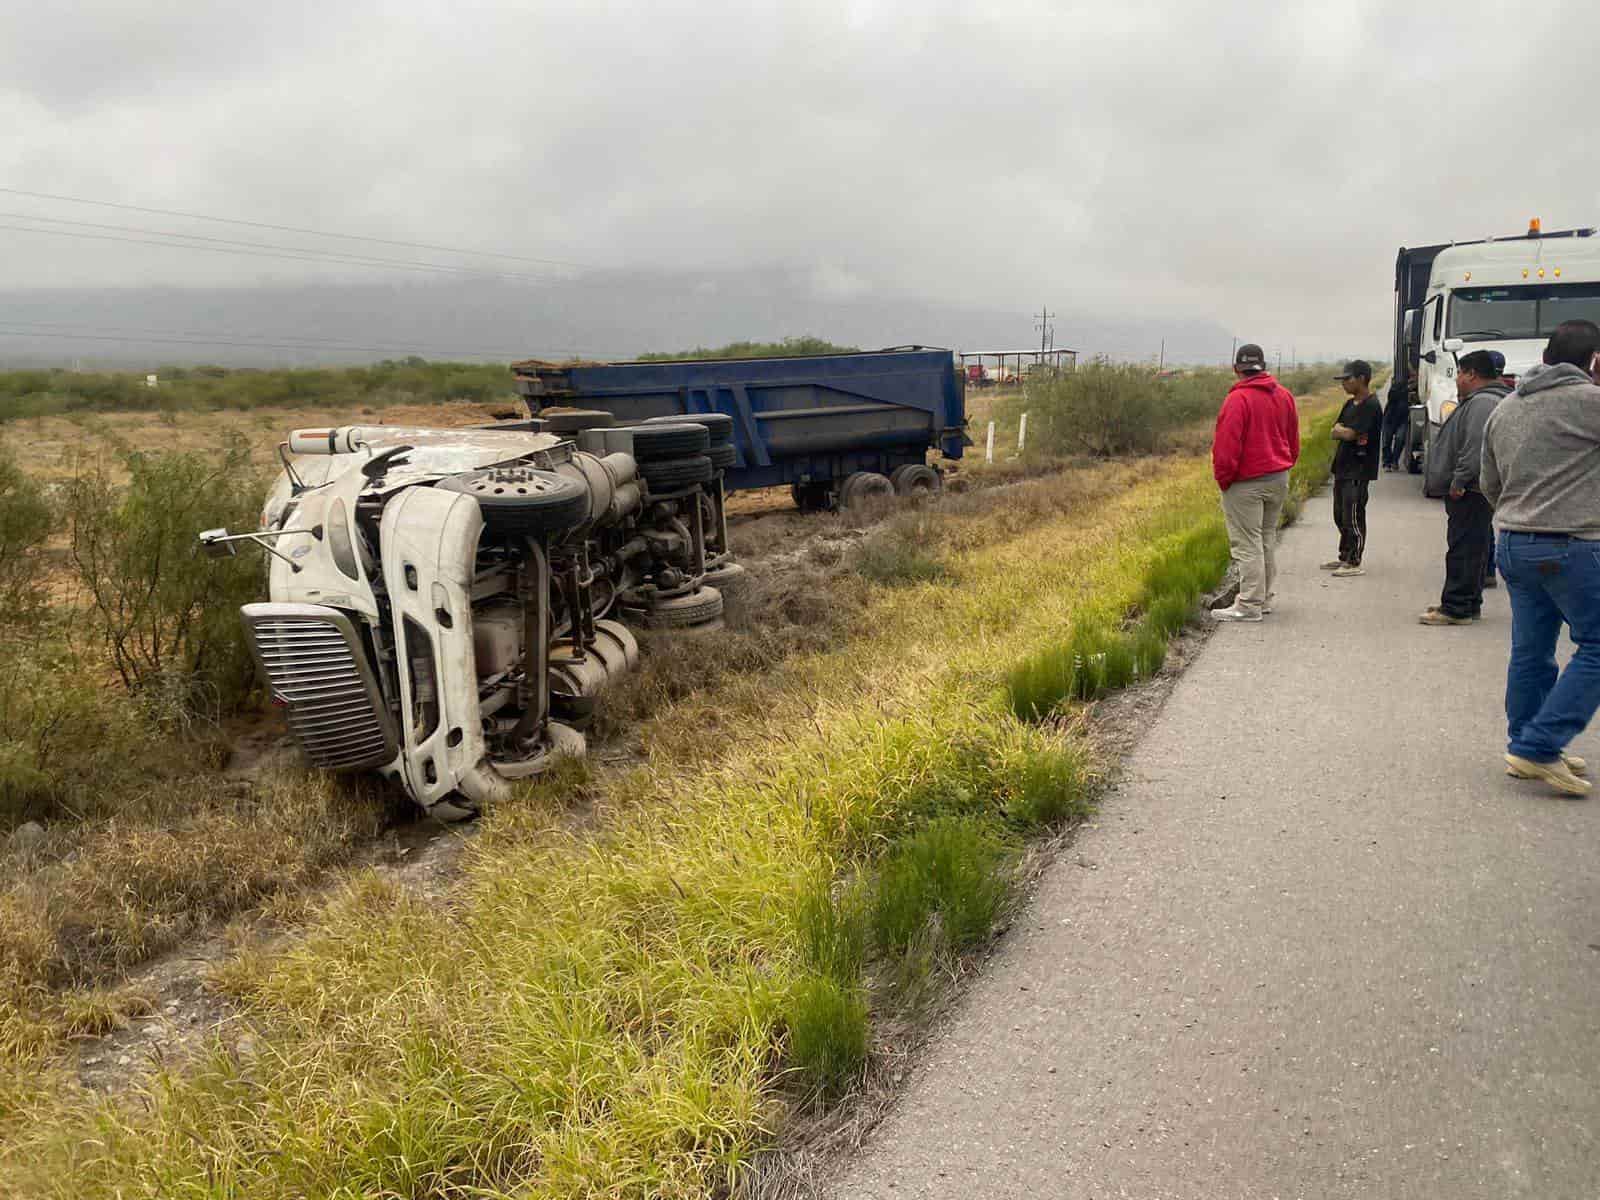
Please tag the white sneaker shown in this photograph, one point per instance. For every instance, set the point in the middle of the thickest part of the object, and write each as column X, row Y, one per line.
column 1235, row 613
column 1348, row 570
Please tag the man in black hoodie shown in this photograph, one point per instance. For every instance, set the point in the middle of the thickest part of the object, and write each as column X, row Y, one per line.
column 1453, row 461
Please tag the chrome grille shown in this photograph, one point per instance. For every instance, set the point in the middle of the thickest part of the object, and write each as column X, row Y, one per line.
column 314, row 663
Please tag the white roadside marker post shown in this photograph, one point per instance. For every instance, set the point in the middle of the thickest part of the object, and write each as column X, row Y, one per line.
column 988, row 453
column 1022, row 432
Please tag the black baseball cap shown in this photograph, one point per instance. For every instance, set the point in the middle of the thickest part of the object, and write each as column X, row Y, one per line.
column 1356, row 367
column 1250, row 357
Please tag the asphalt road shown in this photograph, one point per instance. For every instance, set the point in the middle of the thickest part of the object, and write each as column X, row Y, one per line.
column 1316, row 944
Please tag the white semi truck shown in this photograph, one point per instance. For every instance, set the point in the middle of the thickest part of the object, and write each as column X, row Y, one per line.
column 1506, row 294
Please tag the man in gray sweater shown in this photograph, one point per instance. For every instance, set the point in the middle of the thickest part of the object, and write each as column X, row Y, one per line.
column 1453, row 460
column 1541, row 472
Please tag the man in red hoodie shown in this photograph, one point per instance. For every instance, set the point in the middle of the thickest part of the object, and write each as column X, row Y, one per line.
column 1257, row 441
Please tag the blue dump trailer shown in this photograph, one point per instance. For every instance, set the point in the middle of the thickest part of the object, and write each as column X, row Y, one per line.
column 835, row 428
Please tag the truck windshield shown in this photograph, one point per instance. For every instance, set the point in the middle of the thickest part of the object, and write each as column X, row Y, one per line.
column 1520, row 312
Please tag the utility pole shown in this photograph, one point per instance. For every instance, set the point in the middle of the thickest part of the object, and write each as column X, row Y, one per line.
column 1044, row 328
column 1234, row 353
column 1161, row 362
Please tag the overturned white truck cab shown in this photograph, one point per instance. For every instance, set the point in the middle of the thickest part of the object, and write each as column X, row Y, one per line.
column 447, row 605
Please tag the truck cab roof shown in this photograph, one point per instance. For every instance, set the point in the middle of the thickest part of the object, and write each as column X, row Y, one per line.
column 1516, row 261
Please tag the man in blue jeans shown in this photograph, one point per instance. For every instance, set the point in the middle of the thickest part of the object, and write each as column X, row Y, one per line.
column 1541, row 471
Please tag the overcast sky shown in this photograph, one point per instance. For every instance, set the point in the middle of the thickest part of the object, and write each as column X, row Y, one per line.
column 1252, row 163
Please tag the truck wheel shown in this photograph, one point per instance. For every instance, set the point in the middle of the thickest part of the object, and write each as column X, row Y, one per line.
column 668, row 475
column 862, row 486
column 810, row 497
column 679, row 439
column 718, row 425
column 575, row 420
column 699, row 607
column 915, row 479
column 722, row 457
column 523, row 500
column 726, row 577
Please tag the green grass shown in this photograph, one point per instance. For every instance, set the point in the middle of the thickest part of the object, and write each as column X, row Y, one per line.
column 829, row 1027
column 947, row 871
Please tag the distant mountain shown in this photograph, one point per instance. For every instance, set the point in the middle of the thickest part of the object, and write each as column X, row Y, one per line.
column 596, row 316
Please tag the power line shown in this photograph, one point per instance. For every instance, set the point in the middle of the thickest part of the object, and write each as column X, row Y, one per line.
column 354, row 237
column 230, row 337
column 179, row 341
column 256, row 249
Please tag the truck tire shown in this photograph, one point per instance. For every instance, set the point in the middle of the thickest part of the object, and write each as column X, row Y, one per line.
column 722, row 457
column 718, row 425
column 862, row 486
column 677, row 439
column 727, row 577
column 523, row 500
column 915, row 479
column 575, row 420
column 699, row 607
column 669, row 475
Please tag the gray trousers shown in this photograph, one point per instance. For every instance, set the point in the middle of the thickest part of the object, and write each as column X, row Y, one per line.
column 1252, row 508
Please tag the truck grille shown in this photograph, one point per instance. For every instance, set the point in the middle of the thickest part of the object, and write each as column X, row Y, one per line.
column 314, row 663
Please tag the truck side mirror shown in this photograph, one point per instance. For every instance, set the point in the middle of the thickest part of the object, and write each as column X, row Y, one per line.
column 1412, row 322
column 1454, row 345
column 216, row 543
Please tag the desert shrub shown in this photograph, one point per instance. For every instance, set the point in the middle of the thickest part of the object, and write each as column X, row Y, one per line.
column 828, row 1027
column 1105, row 409
column 167, row 616
column 789, row 347
column 950, row 870
column 26, row 521
column 68, row 747
column 201, row 389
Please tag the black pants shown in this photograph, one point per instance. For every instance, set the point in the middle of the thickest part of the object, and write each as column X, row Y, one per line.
column 1394, row 440
column 1350, row 515
column 1469, row 528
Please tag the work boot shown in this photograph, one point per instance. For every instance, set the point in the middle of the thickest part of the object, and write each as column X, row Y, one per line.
column 1575, row 764
column 1437, row 616
column 1334, row 565
column 1234, row 613
column 1433, row 608
column 1346, row 570
column 1557, row 774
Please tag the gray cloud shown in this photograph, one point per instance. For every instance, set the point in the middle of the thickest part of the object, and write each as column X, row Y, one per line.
column 1254, row 164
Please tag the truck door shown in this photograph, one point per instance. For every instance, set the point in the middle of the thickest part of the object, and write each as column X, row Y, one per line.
column 1437, row 367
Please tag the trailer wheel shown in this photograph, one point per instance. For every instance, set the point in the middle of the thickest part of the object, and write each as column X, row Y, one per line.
column 863, row 486
column 723, row 456
column 718, row 425
column 523, row 500
column 915, row 479
column 699, row 607
column 810, row 497
column 575, row 420
column 679, row 439
column 668, row 475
